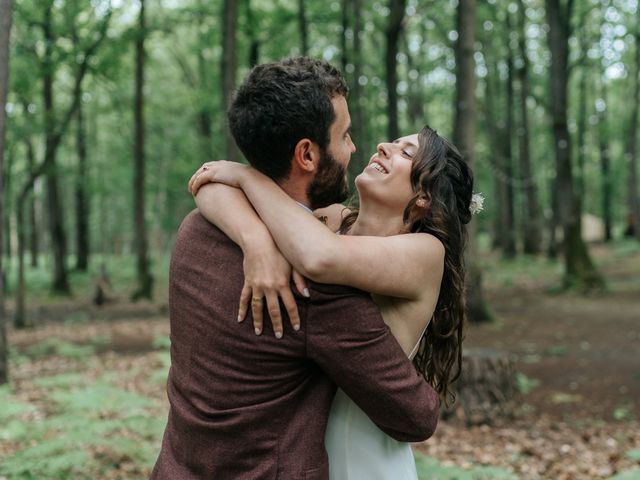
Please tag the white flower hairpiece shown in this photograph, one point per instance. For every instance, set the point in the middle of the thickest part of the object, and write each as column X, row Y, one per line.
column 477, row 203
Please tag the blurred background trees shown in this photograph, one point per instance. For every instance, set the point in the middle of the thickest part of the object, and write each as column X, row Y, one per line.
column 113, row 104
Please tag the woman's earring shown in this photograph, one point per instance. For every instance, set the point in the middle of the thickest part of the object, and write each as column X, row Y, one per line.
column 421, row 202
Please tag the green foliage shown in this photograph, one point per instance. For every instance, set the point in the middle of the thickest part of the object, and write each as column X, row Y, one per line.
column 633, row 474
column 81, row 421
column 55, row 346
column 430, row 469
column 624, row 412
column 526, row 384
column 633, row 454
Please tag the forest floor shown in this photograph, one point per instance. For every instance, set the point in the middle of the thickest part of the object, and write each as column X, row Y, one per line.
column 87, row 397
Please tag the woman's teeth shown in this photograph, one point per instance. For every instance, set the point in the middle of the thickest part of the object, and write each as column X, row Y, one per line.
column 379, row 167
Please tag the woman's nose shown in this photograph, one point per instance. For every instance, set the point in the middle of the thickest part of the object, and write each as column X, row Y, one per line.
column 383, row 149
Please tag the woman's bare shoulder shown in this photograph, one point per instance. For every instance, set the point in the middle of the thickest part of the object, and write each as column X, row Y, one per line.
column 332, row 215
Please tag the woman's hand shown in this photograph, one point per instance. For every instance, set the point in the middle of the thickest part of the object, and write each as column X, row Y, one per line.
column 221, row 171
column 266, row 275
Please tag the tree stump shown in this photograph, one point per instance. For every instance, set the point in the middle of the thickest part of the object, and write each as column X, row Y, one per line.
column 486, row 389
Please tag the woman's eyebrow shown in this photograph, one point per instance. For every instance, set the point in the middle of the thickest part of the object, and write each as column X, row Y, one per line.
column 405, row 143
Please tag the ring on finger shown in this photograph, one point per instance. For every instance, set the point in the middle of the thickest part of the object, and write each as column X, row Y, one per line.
column 256, row 300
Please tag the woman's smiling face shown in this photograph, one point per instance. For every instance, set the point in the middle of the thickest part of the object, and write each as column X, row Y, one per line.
column 387, row 177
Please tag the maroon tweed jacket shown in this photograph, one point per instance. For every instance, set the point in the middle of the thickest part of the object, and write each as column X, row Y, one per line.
column 255, row 407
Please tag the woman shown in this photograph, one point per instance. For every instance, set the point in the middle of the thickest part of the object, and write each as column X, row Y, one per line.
column 404, row 245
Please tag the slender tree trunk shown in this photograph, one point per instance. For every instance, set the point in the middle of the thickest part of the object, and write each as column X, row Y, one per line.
column 228, row 68
column 254, row 42
column 582, row 130
column 145, row 280
column 464, row 134
column 33, row 225
column 20, row 319
column 5, row 28
column 344, row 19
column 508, row 242
column 532, row 224
column 392, row 34
column 495, row 134
column 303, row 27
column 60, row 283
column 605, row 161
column 355, row 97
column 82, row 199
column 632, row 138
column 580, row 271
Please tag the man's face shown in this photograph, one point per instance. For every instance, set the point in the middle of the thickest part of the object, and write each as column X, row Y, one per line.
column 330, row 183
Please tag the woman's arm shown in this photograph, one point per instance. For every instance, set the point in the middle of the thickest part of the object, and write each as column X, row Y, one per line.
column 395, row 266
column 267, row 272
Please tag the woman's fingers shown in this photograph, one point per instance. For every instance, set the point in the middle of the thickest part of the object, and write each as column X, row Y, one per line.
column 300, row 283
column 257, row 306
column 273, row 304
column 245, row 300
column 292, row 308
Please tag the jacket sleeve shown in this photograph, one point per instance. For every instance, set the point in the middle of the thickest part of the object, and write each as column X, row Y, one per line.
column 348, row 339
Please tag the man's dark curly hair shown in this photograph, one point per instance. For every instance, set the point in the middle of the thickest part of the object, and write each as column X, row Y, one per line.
column 279, row 104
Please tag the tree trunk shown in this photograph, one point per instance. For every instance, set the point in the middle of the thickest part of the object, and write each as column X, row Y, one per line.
column 486, row 389
column 228, row 69
column 632, row 139
column 33, row 224
column 532, row 224
column 145, row 280
column 254, row 42
column 495, row 133
column 303, row 27
column 355, row 95
column 464, row 134
column 60, row 283
column 82, row 199
column 20, row 319
column 605, row 161
column 580, row 271
column 5, row 28
column 344, row 20
column 392, row 34
column 508, row 242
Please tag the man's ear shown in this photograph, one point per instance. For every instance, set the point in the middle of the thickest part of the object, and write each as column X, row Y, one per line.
column 306, row 156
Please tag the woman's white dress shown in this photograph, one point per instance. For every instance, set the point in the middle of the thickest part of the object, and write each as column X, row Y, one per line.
column 359, row 450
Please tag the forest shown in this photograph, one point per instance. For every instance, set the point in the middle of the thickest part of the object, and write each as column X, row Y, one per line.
column 109, row 106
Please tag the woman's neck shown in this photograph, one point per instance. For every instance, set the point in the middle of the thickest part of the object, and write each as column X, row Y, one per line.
column 376, row 222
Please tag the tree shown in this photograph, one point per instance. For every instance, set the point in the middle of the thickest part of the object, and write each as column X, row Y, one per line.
column 392, row 35
column 5, row 28
column 631, row 149
column 532, row 226
column 228, row 67
column 508, row 240
column 144, row 277
column 580, row 271
column 464, row 133
column 303, row 27
column 605, row 161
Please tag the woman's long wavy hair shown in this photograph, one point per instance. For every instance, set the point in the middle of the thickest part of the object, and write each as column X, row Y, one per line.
column 442, row 178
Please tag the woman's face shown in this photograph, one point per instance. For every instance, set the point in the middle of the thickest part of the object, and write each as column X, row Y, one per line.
column 387, row 177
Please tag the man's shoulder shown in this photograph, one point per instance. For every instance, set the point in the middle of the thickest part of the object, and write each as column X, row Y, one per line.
column 195, row 224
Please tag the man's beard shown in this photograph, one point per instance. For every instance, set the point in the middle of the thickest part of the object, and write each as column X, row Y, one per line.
column 330, row 183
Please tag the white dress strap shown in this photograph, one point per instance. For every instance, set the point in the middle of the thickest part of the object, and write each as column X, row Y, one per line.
column 415, row 349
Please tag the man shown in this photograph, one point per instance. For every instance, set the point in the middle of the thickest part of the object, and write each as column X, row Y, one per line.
column 251, row 407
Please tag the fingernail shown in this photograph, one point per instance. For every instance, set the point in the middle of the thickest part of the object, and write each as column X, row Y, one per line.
column 258, row 331
column 296, row 327
column 306, row 292
column 239, row 318
column 278, row 334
